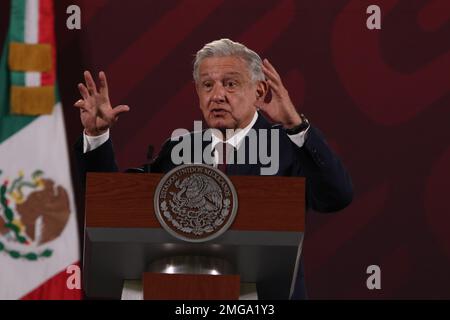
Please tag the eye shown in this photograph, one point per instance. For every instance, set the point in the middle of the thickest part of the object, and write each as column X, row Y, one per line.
column 230, row 84
column 207, row 85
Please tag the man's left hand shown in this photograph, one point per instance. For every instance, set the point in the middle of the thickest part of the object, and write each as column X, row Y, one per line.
column 280, row 109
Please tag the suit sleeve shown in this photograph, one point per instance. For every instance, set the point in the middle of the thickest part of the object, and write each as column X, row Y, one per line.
column 101, row 159
column 328, row 184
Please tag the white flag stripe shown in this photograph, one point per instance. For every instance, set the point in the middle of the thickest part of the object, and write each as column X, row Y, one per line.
column 32, row 79
column 31, row 21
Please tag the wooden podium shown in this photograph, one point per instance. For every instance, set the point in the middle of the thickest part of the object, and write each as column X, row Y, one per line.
column 123, row 237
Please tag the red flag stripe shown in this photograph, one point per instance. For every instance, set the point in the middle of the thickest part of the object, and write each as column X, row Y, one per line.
column 47, row 35
column 55, row 288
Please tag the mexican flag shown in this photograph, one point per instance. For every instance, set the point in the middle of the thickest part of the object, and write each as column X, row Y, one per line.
column 38, row 228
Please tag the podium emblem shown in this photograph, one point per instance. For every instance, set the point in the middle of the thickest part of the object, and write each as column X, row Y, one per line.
column 195, row 203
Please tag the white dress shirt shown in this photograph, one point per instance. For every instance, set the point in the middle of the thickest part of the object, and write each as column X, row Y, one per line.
column 92, row 143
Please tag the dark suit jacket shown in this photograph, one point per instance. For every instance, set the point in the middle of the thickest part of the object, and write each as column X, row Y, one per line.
column 328, row 184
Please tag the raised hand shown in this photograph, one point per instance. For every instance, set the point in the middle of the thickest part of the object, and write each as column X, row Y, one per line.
column 280, row 109
column 96, row 113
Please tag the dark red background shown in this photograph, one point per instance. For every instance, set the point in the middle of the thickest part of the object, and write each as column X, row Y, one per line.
column 381, row 97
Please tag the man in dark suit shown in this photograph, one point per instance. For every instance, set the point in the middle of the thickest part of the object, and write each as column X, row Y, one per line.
column 237, row 91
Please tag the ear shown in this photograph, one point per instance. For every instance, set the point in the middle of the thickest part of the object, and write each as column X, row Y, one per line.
column 261, row 91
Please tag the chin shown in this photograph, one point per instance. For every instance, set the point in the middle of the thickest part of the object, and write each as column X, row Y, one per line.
column 221, row 124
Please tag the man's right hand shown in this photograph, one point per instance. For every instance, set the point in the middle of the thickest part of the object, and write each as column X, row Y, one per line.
column 96, row 113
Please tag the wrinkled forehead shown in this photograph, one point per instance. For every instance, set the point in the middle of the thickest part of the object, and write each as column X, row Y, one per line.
column 220, row 67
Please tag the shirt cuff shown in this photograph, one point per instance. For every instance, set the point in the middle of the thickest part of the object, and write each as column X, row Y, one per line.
column 91, row 143
column 299, row 138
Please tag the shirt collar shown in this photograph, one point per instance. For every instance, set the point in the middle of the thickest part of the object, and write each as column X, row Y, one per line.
column 237, row 138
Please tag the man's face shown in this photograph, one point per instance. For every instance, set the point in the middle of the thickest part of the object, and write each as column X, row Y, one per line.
column 227, row 94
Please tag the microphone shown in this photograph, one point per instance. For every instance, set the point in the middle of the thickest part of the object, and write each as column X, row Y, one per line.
column 150, row 153
column 148, row 166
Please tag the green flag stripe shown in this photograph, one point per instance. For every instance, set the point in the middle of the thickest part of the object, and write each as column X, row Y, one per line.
column 17, row 34
column 18, row 78
column 9, row 124
column 17, row 21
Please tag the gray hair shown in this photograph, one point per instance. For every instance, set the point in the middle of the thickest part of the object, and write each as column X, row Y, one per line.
column 226, row 48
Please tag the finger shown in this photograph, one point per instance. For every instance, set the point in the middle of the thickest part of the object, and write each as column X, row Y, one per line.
column 273, row 81
column 275, row 87
column 79, row 103
column 103, row 84
column 270, row 72
column 83, row 91
column 271, row 76
column 120, row 109
column 269, row 66
column 90, row 83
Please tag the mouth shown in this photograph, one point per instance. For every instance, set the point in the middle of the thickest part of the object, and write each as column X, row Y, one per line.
column 218, row 112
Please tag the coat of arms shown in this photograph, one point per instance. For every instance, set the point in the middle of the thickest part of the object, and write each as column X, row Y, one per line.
column 33, row 212
column 195, row 203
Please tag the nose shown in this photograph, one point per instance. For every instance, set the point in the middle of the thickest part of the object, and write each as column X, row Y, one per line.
column 218, row 94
